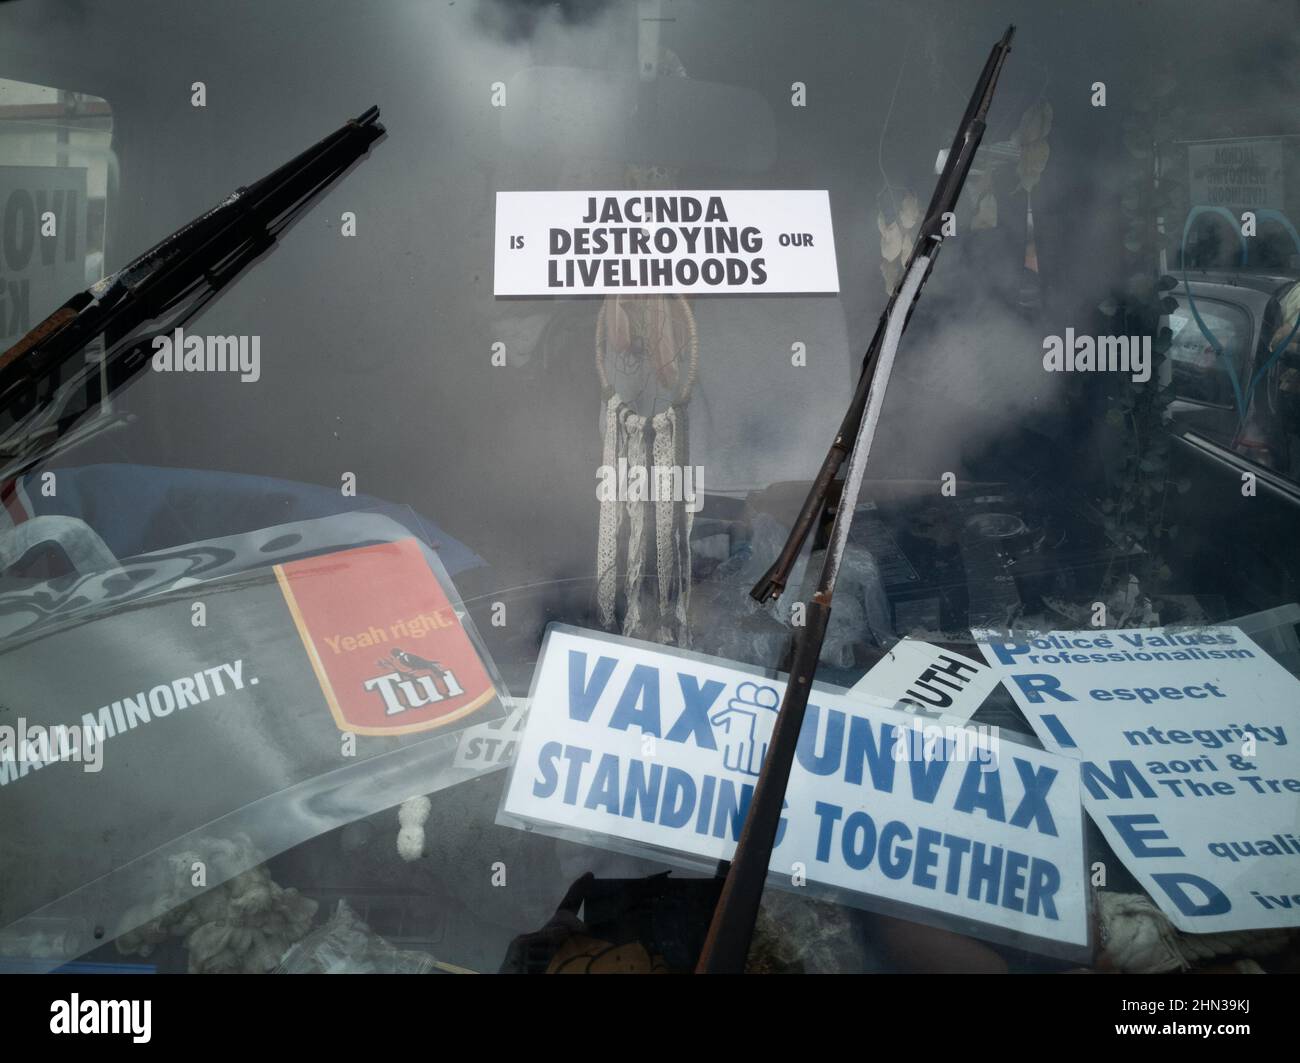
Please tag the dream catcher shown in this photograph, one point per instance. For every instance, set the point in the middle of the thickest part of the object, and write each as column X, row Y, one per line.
column 647, row 357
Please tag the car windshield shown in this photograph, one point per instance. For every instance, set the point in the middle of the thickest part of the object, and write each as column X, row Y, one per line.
column 386, row 558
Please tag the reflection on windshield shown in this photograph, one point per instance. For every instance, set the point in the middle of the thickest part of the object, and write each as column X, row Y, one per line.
column 401, row 598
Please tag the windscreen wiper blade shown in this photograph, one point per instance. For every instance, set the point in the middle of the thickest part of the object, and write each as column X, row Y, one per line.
column 928, row 239
column 192, row 264
column 727, row 944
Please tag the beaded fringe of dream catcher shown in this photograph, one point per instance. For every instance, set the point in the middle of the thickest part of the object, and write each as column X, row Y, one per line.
column 664, row 439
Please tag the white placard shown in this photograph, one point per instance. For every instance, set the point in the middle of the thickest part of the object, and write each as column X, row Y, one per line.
column 489, row 746
column 629, row 740
column 918, row 677
column 643, row 243
column 1237, row 174
column 1189, row 761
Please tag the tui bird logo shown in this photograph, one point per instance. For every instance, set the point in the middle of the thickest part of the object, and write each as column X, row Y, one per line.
column 411, row 664
column 413, row 681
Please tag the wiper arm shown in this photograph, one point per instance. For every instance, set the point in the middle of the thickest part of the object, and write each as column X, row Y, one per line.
column 727, row 944
column 193, row 263
column 928, row 239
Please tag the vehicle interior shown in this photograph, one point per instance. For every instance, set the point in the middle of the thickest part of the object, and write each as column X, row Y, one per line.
column 400, row 397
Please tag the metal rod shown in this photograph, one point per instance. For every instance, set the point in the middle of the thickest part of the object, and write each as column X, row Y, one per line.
column 947, row 190
column 861, row 451
column 726, row 946
column 727, row 943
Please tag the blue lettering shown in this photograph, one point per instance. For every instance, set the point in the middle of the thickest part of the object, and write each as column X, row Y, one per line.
column 583, row 695
column 1014, row 881
column 604, row 788
column 926, row 857
column 856, row 855
column 679, row 798
column 643, row 689
column 1216, row 903
column 863, row 745
column 1006, row 651
column 1035, row 686
column 1124, row 771
column 927, row 775
column 1033, row 806
column 545, row 786
column 1135, row 839
column 957, row 849
column 829, row 761
column 827, row 815
column 984, row 874
column 981, row 789
column 694, row 719
column 641, row 790
column 1044, row 881
column 577, row 757
column 730, row 808
column 705, row 805
column 894, row 859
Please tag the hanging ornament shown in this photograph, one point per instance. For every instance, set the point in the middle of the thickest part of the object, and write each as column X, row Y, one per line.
column 652, row 346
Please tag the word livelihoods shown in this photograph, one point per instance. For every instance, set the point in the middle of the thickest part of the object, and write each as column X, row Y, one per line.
column 179, row 353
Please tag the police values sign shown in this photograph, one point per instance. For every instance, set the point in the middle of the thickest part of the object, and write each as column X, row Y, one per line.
column 631, row 741
column 592, row 243
column 1189, row 761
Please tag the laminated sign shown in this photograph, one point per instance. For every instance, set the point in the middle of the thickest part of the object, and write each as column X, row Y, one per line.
column 658, row 750
column 917, row 677
column 388, row 650
column 489, row 746
column 1189, row 764
column 276, row 703
column 648, row 243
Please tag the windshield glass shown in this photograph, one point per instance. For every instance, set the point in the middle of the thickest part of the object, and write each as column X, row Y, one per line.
column 378, row 555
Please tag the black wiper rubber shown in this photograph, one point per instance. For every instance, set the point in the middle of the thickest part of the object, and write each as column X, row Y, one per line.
column 207, row 252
